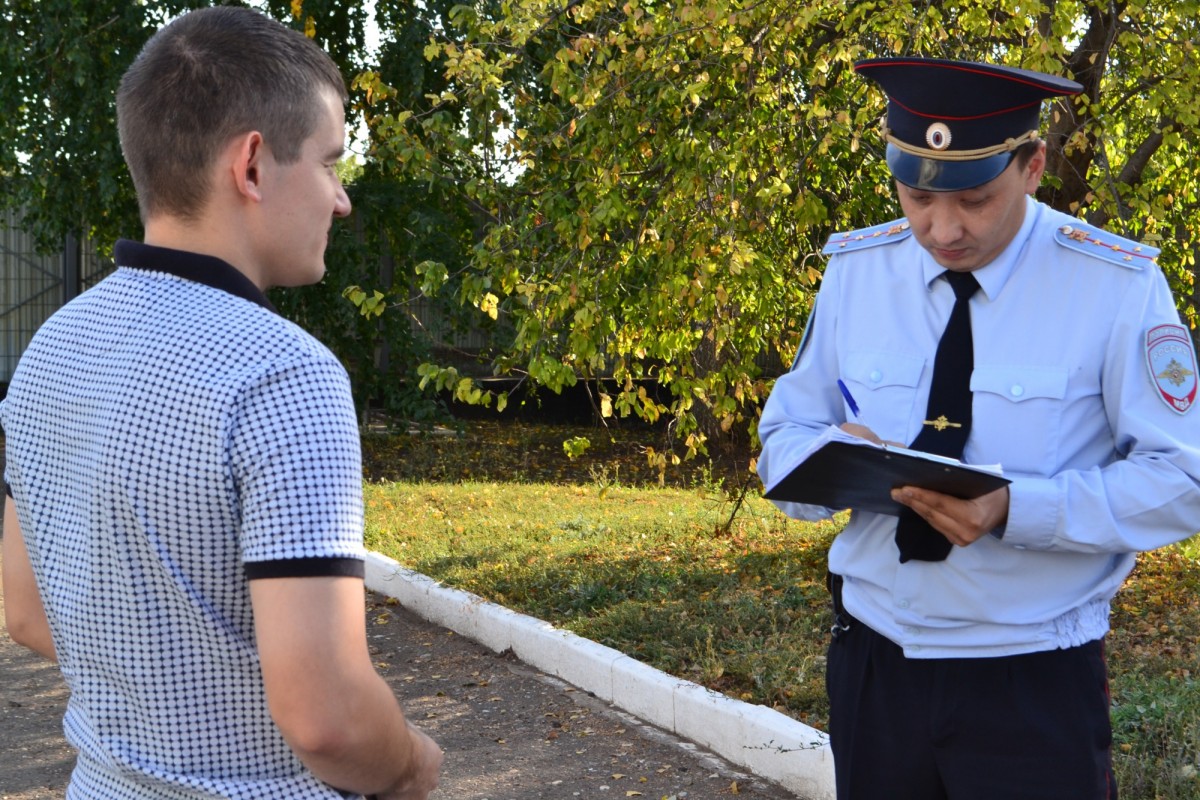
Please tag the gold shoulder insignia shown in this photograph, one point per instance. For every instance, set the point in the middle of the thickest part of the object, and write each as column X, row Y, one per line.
column 887, row 233
column 1105, row 246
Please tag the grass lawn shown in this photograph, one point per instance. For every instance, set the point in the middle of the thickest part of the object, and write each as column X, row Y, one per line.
column 651, row 565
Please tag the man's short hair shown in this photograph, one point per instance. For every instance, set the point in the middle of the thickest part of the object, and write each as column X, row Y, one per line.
column 205, row 78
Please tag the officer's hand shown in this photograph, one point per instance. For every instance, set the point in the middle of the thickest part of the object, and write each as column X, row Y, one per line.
column 960, row 521
column 863, row 432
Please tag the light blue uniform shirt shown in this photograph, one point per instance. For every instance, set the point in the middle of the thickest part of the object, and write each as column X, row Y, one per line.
column 1065, row 400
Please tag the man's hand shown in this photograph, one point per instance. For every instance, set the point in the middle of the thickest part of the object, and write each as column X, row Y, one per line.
column 960, row 521
column 427, row 763
column 334, row 710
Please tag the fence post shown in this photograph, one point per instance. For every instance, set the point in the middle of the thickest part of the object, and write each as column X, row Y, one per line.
column 70, row 283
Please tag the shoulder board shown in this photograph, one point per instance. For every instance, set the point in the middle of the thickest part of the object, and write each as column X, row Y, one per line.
column 1101, row 244
column 888, row 232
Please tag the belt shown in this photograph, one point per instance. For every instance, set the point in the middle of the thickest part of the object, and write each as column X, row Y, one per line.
column 842, row 621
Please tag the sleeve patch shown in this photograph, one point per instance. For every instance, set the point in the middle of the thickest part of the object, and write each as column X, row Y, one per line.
column 887, row 233
column 1172, row 362
column 1105, row 246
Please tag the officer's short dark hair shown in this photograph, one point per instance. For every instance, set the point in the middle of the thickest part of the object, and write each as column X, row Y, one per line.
column 205, row 78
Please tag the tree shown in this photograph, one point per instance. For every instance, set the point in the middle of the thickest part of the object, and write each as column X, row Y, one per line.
column 400, row 225
column 60, row 63
column 631, row 194
column 659, row 177
column 61, row 166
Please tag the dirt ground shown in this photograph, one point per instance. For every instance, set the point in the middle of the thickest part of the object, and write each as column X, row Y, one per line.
column 509, row 732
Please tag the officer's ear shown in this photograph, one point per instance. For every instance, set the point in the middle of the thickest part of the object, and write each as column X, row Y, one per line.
column 1034, row 168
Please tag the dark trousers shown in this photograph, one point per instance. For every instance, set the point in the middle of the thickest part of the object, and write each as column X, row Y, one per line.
column 1027, row 726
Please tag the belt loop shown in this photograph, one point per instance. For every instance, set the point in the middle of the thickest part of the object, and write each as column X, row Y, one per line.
column 841, row 619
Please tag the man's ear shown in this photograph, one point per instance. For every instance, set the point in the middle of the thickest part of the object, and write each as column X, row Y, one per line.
column 247, row 154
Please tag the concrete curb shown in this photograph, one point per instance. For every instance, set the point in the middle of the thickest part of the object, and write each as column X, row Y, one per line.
column 760, row 739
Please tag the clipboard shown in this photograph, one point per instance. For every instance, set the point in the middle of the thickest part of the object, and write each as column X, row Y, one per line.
column 842, row 471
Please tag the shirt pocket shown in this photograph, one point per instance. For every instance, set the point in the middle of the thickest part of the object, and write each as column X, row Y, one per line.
column 1016, row 417
column 885, row 386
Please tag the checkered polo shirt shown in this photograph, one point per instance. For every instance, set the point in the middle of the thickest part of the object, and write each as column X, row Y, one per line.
column 170, row 438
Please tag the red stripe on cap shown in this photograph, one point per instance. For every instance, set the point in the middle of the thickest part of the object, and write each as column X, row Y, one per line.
column 963, row 119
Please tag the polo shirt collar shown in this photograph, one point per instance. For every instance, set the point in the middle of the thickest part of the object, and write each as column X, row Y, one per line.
column 207, row 270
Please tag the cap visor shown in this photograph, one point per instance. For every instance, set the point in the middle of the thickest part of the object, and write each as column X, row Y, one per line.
column 929, row 175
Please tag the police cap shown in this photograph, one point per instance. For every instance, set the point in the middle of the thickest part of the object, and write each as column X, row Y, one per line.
column 954, row 125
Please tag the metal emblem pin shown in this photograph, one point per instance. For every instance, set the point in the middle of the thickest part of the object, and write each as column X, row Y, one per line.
column 937, row 136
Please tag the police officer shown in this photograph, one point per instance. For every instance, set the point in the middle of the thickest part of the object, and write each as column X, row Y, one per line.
column 968, row 657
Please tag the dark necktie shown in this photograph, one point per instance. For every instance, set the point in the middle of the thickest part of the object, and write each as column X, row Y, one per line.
column 947, row 416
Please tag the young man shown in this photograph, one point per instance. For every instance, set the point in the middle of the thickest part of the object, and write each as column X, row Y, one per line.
column 967, row 659
column 183, row 531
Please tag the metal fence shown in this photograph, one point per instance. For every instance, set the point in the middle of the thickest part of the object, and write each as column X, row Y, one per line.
column 34, row 285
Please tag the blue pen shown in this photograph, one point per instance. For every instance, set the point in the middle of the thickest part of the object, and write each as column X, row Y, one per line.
column 849, row 399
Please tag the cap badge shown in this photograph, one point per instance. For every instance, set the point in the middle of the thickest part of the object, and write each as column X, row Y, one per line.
column 937, row 136
column 1172, row 362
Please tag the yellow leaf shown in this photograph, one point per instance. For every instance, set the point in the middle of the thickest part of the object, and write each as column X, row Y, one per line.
column 297, row 7
column 490, row 305
column 310, row 27
column 733, row 788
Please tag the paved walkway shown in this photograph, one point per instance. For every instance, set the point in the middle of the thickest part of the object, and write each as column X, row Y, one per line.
column 509, row 732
